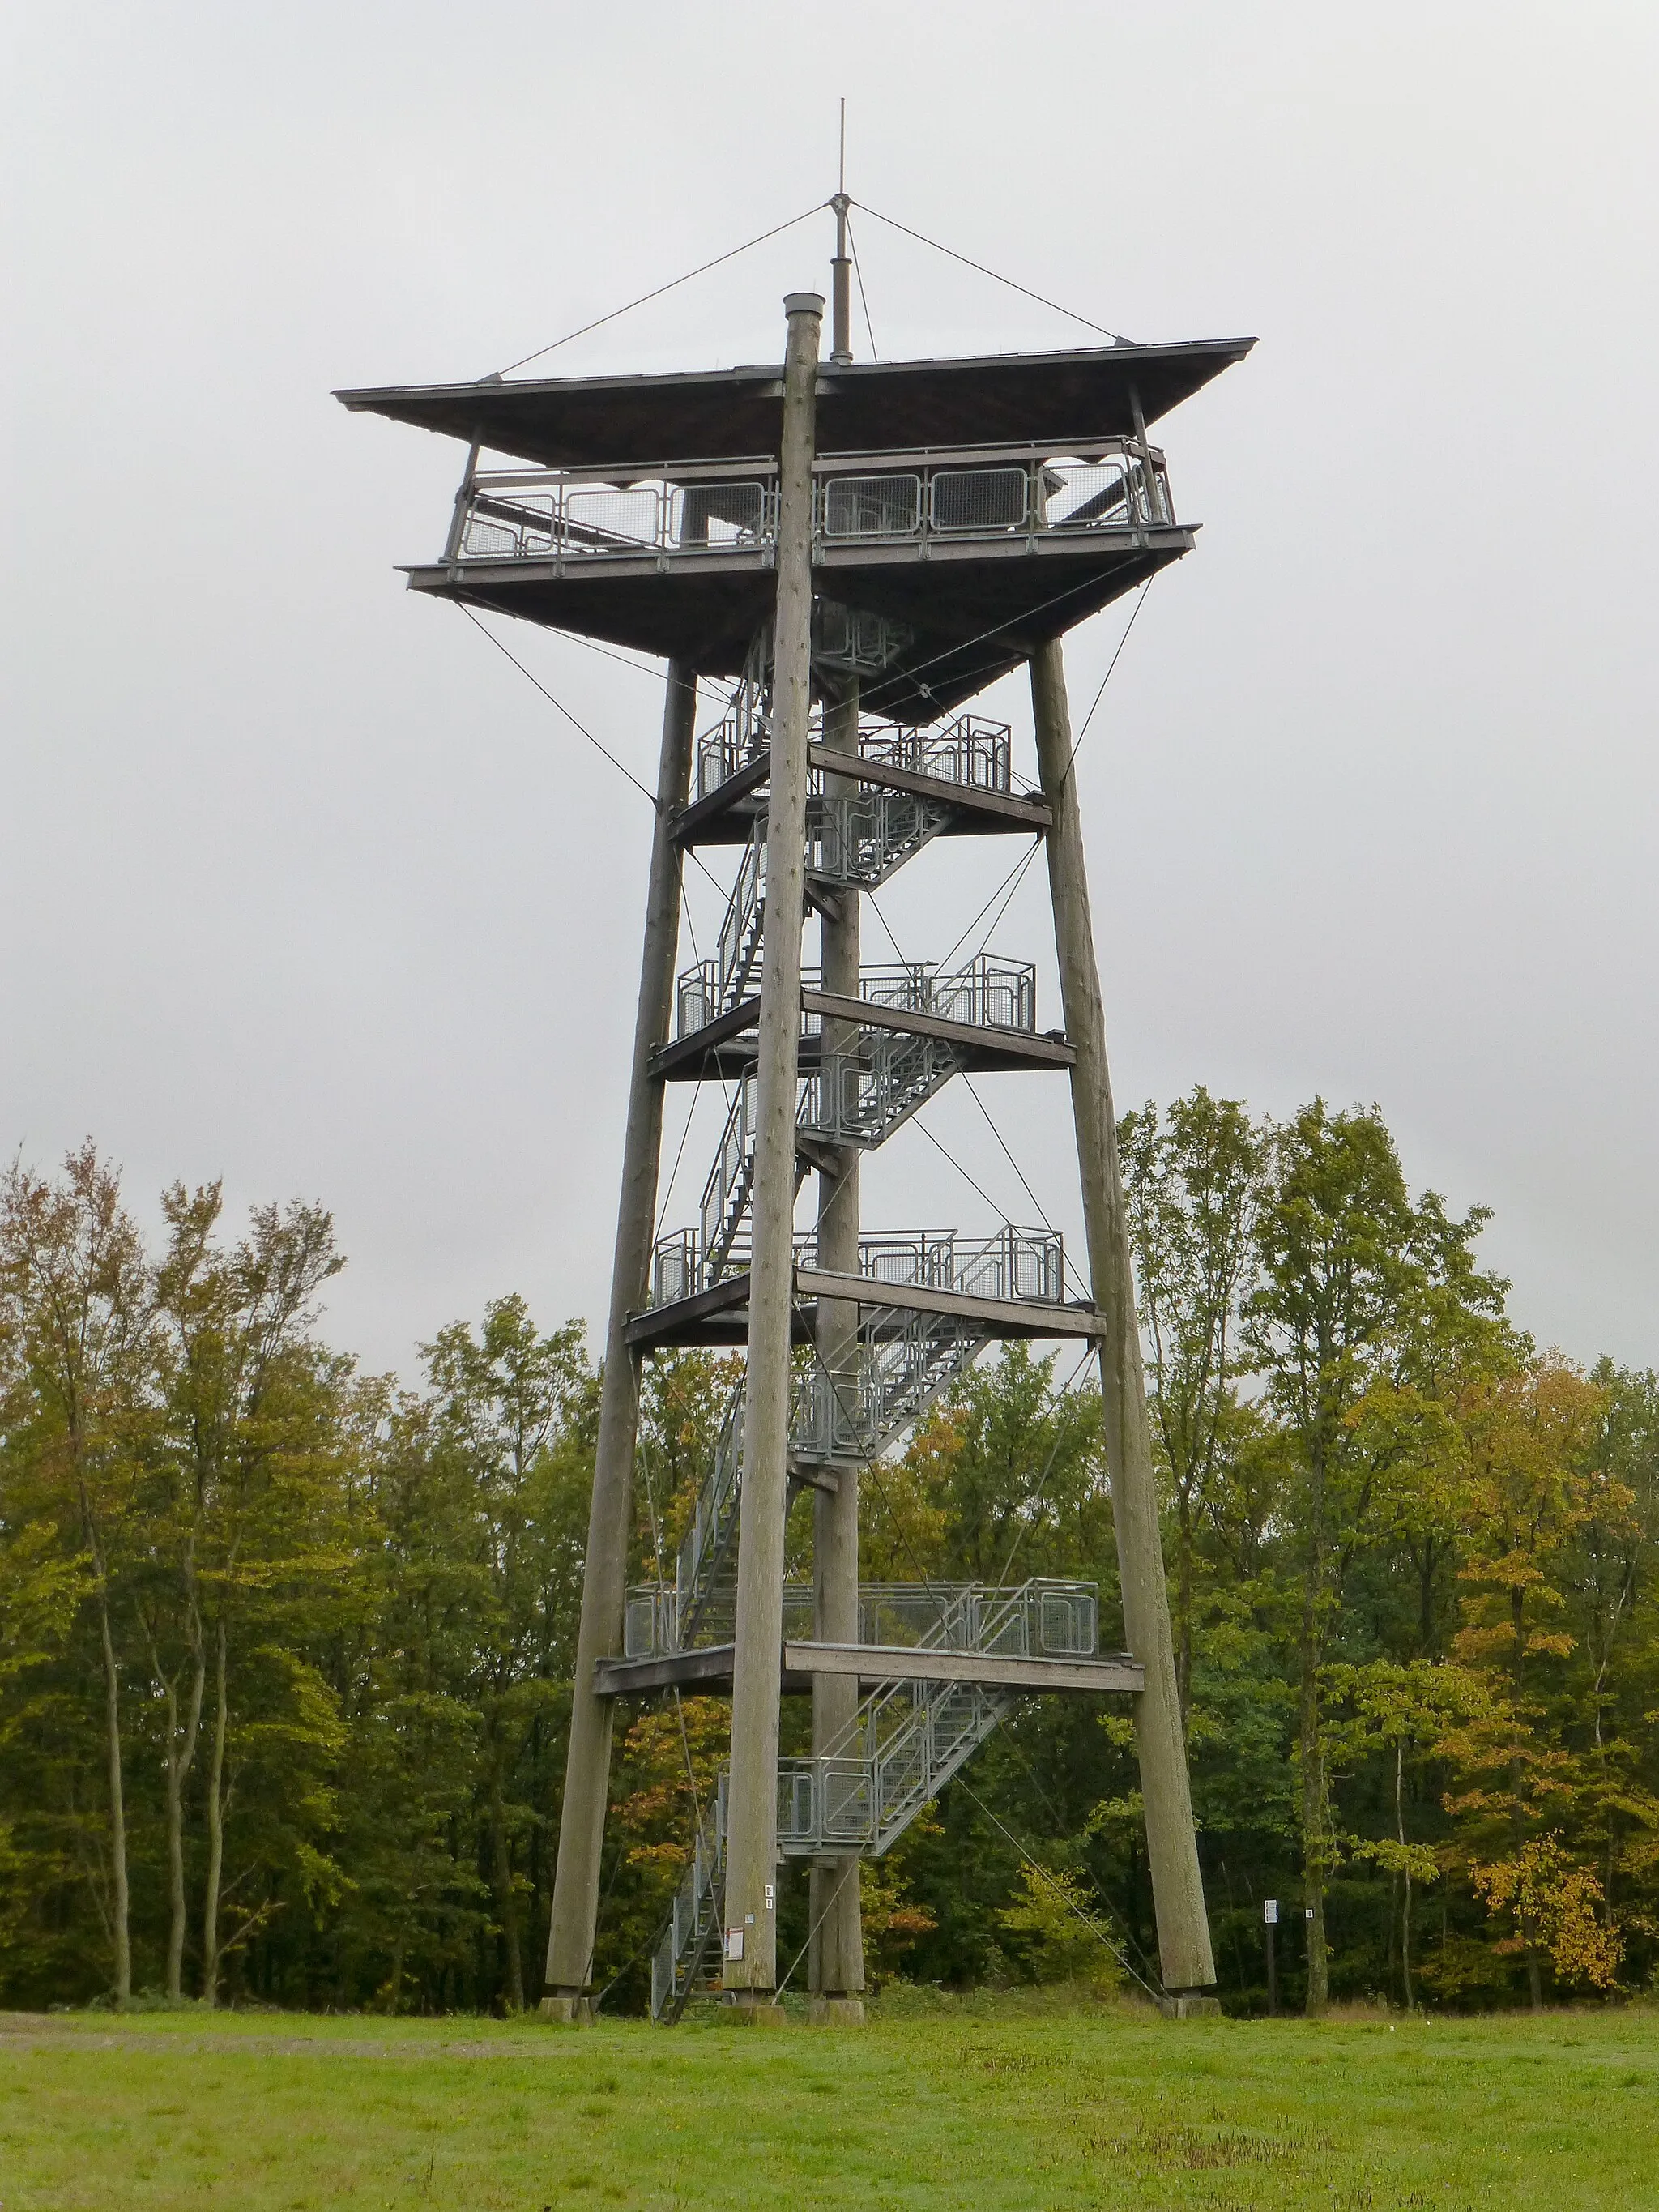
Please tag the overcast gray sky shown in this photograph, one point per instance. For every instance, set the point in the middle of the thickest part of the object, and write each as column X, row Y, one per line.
column 304, row 886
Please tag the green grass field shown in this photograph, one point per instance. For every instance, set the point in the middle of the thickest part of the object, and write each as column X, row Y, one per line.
column 988, row 2104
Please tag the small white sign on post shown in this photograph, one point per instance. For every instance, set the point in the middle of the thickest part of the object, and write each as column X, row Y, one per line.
column 734, row 1942
column 1270, row 1911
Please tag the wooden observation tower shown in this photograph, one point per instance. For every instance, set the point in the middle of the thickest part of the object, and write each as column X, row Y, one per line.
column 849, row 552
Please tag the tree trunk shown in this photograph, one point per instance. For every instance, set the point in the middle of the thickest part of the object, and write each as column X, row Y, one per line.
column 118, row 1819
column 1313, row 1814
column 1184, row 1607
column 180, row 1757
column 1425, row 1598
column 1405, row 1906
column 216, row 1821
column 506, row 1903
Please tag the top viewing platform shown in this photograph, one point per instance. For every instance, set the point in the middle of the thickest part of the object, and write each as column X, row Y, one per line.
column 964, row 511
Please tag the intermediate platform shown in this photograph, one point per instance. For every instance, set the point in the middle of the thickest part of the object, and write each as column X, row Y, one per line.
column 720, row 1314
column 726, row 1046
column 727, row 814
column 709, row 1668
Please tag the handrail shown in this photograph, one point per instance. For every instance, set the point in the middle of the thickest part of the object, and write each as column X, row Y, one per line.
column 675, row 511
column 988, row 994
column 970, row 749
column 1026, row 1265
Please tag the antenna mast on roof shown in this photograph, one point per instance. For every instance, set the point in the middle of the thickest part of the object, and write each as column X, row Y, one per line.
column 841, row 269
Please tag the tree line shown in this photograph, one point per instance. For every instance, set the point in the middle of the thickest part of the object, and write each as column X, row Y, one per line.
column 285, row 1647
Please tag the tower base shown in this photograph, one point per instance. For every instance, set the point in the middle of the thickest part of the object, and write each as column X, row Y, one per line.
column 567, row 2009
column 755, row 2009
column 835, row 2012
column 1189, row 2004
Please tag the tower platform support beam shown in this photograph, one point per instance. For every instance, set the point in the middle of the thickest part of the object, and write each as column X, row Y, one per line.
column 588, row 1766
column 750, row 1963
column 835, row 1958
column 1183, row 1929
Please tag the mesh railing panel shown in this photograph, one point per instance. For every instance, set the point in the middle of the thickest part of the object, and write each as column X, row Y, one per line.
column 870, row 507
column 980, row 499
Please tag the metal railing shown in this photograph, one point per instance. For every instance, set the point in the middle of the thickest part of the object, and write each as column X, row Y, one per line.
column 860, row 1094
column 988, row 994
column 969, row 750
column 905, row 1742
column 1012, row 1263
column 742, row 924
column 544, row 514
column 1049, row 1620
column 658, row 509
column 1007, row 499
column 866, row 835
column 908, row 1738
column 685, row 1962
column 726, row 1196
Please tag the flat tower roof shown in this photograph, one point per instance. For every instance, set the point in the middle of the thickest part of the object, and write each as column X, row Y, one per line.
column 862, row 407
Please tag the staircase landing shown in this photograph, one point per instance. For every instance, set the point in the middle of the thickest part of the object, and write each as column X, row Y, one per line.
column 708, row 1668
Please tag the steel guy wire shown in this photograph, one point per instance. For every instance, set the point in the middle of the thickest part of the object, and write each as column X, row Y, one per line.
column 1026, row 614
column 656, row 1561
column 685, row 1128
column 1060, row 1826
column 1134, row 615
column 807, row 1945
column 580, row 728
column 869, row 330
column 1024, row 1185
column 886, row 929
column 1012, row 879
column 1065, row 1390
column 1069, row 1902
column 668, row 1195
column 640, row 667
column 921, row 238
column 673, row 284
column 920, row 1124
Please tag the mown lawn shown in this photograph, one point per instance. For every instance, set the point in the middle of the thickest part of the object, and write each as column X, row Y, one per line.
column 982, row 2105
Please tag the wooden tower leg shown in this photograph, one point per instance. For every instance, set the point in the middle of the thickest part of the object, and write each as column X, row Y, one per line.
column 751, row 1845
column 835, row 1977
column 1183, row 1927
column 587, row 1767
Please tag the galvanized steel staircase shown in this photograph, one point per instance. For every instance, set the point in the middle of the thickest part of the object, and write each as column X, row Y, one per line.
column 902, row 1746
column 903, row 1361
column 908, row 1737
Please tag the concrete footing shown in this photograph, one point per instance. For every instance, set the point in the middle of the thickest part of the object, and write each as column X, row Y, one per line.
column 755, row 2009
column 567, row 2009
column 835, row 2012
column 1189, row 2004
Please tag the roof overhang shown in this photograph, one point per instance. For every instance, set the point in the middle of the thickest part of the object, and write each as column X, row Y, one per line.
column 1042, row 398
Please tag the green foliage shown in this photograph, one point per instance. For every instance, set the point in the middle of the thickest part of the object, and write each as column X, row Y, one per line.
column 1049, row 1923
column 285, row 1650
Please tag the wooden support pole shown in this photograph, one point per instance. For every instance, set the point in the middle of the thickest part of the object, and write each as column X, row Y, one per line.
column 1183, row 1929
column 835, row 1958
column 750, row 1965
column 587, row 1766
